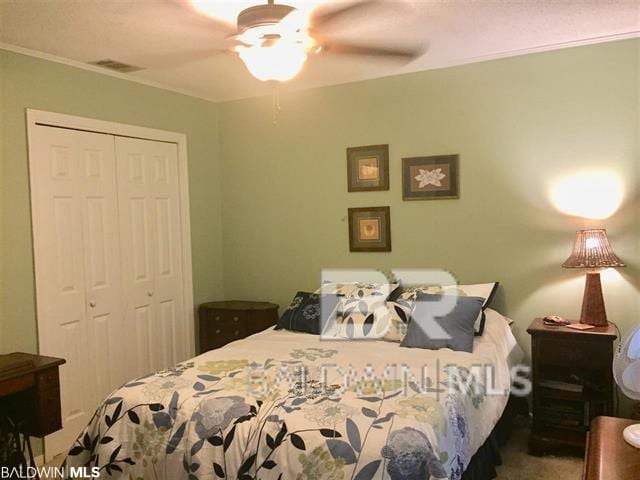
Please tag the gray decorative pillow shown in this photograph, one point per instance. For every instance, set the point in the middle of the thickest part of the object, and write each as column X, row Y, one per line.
column 485, row 290
column 458, row 324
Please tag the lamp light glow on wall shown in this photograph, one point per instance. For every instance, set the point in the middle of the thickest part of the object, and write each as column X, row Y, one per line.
column 591, row 194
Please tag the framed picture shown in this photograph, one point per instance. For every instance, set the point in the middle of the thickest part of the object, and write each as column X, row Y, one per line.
column 368, row 168
column 430, row 178
column 370, row 229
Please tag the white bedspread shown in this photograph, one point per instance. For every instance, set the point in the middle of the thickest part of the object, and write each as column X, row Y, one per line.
column 210, row 417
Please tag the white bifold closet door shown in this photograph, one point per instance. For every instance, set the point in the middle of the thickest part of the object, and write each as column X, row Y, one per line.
column 108, row 262
column 148, row 197
column 78, row 276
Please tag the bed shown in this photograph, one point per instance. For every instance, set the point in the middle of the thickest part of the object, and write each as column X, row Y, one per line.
column 249, row 411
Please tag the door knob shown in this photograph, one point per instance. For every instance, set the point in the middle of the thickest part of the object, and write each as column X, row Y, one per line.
column 150, row 293
column 92, row 303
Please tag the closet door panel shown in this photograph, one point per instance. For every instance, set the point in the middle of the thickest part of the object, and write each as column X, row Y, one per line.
column 168, row 259
column 103, row 287
column 150, row 234
column 76, row 252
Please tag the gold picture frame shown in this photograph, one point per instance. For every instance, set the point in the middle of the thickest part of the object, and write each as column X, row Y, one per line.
column 370, row 229
column 368, row 168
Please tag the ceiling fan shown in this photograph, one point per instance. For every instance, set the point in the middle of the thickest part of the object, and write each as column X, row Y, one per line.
column 275, row 40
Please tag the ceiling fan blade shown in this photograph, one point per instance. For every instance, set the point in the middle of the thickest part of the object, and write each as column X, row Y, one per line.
column 322, row 20
column 400, row 54
column 297, row 20
column 186, row 13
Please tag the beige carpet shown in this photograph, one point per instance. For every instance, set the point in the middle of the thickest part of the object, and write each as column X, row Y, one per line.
column 517, row 464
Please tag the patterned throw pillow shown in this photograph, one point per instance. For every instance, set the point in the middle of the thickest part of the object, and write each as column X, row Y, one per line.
column 308, row 312
column 357, row 289
column 362, row 312
column 398, row 317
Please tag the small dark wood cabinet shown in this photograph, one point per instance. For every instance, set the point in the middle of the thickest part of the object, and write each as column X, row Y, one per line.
column 224, row 322
column 572, row 384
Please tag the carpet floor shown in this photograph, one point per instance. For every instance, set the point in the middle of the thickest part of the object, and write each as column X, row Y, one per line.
column 517, row 464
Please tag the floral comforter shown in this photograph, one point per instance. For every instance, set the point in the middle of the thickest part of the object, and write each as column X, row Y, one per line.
column 249, row 411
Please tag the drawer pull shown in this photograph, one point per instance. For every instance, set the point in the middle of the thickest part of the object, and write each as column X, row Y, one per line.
column 217, row 318
column 235, row 319
column 92, row 303
column 237, row 332
column 218, row 330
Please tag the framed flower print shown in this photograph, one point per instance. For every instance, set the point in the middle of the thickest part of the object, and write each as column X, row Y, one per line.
column 368, row 168
column 370, row 229
column 430, row 178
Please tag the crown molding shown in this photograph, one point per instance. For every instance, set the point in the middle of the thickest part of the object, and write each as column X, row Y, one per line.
column 292, row 87
column 549, row 47
column 102, row 71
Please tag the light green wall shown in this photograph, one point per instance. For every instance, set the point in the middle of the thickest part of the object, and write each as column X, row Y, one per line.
column 517, row 123
column 32, row 83
column 269, row 202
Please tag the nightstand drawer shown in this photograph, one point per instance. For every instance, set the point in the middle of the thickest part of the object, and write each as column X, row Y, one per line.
column 229, row 318
column 560, row 352
column 224, row 322
column 215, row 334
column 228, row 330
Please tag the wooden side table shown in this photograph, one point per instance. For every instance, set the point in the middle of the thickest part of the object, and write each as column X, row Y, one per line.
column 224, row 322
column 608, row 456
column 572, row 384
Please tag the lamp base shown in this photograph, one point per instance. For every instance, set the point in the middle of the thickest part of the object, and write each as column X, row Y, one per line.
column 593, row 311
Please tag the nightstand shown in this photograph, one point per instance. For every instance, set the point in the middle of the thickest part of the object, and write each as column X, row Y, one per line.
column 224, row 322
column 572, row 384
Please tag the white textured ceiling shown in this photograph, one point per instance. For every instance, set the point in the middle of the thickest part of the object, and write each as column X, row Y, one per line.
column 161, row 35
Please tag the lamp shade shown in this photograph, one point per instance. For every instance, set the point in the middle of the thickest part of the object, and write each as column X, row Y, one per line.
column 592, row 250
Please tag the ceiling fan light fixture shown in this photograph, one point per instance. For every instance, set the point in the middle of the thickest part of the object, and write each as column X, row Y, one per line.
column 281, row 61
column 274, row 52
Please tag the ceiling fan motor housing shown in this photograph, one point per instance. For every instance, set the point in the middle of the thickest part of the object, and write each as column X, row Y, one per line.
column 260, row 15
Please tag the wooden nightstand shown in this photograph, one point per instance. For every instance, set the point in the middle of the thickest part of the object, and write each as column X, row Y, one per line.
column 224, row 322
column 572, row 384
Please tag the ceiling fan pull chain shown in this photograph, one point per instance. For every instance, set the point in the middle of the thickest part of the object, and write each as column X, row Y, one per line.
column 276, row 102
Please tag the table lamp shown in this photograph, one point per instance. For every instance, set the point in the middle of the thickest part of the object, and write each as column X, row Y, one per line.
column 592, row 250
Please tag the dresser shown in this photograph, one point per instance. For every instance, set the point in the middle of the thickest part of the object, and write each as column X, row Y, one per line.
column 608, row 456
column 572, row 384
column 224, row 322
